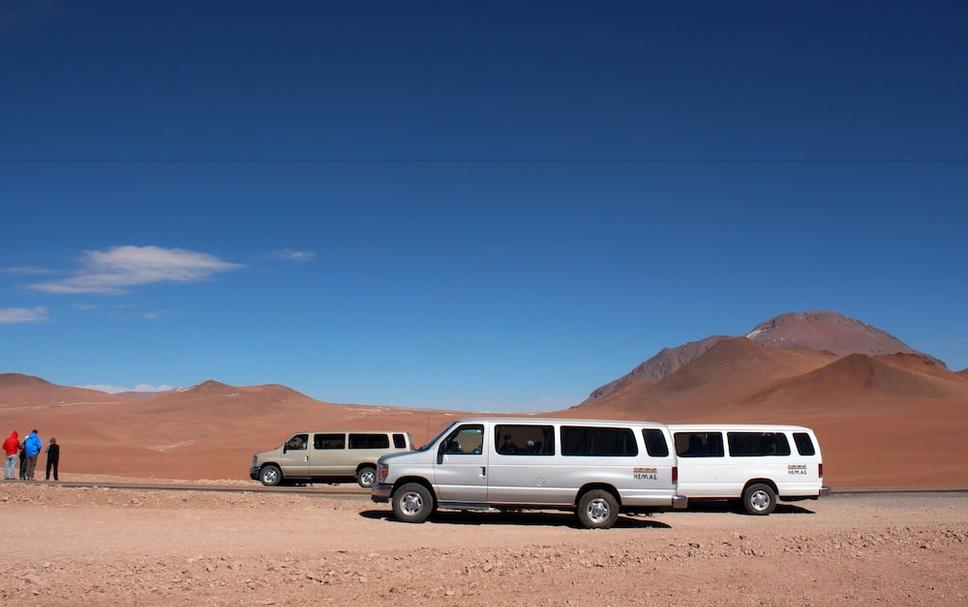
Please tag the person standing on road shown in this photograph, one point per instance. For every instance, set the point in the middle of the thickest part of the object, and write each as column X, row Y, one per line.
column 11, row 446
column 32, row 447
column 53, row 458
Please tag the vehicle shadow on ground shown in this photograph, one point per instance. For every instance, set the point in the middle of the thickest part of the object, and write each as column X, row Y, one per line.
column 728, row 507
column 556, row 519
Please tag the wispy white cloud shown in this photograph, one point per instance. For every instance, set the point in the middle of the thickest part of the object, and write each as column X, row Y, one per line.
column 112, row 271
column 84, row 307
column 138, row 388
column 26, row 270
column 155, row 314
column 292, row 255
column 12, row 316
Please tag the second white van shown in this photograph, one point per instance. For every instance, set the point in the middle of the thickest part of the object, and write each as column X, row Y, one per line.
column 754, row 463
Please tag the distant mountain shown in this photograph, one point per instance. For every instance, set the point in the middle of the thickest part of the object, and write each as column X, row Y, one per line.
column 821, row 331
column 963, row 373
column 17, row 389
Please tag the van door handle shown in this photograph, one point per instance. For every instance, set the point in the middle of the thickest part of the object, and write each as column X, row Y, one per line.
column 307, row 458
column 483, row 471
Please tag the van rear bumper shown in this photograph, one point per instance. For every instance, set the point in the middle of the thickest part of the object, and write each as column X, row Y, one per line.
column 254, row 473
column 380, row 493
column 824, row 491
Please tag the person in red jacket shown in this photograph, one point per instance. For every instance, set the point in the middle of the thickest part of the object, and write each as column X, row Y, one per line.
column 11, row 447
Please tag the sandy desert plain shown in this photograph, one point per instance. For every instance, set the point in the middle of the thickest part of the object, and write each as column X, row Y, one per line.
column 887, row 417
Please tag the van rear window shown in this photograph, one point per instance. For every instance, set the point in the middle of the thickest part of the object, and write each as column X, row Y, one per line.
column 699, row 444
column 524, row 440
column 655, row 442
column 369, row 441
column 757, row 444
column 399, row 441
column 600, row 442
column 329, row 441
column 804, row 444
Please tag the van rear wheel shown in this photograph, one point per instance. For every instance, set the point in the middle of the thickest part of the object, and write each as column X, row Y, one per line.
column 597, row 509
column 412, row 503
column 759, row 499
column 270, row 475
column 366, row 476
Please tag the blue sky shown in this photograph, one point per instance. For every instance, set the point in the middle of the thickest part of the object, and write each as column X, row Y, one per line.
column 485, row 207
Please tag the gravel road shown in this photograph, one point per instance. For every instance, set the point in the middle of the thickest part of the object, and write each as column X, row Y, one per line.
column 68, row 546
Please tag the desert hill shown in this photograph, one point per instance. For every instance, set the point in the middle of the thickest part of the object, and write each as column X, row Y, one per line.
column 963, row 373
column 820, row 331
column 209, row 430
column 19, row 390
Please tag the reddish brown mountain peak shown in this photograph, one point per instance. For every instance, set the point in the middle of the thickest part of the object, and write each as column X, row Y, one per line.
column 210, row 386
column 825, row 330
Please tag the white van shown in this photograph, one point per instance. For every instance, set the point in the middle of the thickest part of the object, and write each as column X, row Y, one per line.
column 596, row 468
column 330, row 456
column 757, row 464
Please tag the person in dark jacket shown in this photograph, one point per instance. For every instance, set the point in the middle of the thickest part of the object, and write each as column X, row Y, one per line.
column 53, row 458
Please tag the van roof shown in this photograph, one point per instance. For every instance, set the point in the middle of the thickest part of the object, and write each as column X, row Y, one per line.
column 558, row 420
column 727, row 427
column 351, row 432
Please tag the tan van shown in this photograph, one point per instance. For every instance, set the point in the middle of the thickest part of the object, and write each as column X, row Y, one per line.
column 330, row 456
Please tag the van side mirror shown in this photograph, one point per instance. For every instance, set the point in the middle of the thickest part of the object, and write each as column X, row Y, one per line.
column 440, row 454
column 285, row 448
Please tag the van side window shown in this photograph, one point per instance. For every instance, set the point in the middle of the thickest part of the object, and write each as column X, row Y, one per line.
column 465, row 440
column 699, row 444
column 524, row 440
column 369, row 441
column 297, row 442
column 601, row 442
column 399, row 441
column 804, row 444
column 757, row 444
column 329, row 441
column 655, row 443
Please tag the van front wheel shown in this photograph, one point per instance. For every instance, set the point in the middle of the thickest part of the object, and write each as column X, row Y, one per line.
column 412, row 503
column 597, row 509
column 270, row 475
column 759, row 499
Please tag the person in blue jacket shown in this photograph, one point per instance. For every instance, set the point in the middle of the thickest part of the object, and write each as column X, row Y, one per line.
column 32, row 447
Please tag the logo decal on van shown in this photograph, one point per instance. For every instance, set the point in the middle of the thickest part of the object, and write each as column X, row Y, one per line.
column 645, row 474
column 798, row 469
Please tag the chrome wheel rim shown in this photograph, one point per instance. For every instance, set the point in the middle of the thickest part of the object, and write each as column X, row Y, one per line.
column 760, row 500
column 367, row 477
column 411, row 503
column 270, row 476
column 597, row 510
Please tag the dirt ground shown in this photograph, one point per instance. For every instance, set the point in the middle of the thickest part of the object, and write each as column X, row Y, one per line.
column 67, row 546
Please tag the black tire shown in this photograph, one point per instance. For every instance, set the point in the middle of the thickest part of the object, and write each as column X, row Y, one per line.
column 597, row 509
column 759, row 499
column 412, row 503
column 270, row 475
column 366, row 476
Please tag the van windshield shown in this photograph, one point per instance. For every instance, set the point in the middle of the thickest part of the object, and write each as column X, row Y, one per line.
column 430, row 443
